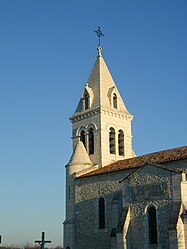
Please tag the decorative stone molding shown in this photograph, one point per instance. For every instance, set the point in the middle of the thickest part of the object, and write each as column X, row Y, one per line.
column 117, row 115
column 84, row 115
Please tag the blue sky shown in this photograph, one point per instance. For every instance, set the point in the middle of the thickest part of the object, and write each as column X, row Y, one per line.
column 47, row 51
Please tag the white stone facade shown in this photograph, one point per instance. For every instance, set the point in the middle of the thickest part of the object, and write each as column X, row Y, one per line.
column 101, row 114
column 115, row 200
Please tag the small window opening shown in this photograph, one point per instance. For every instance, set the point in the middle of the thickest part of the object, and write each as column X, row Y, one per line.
column 115, row 101
column 101, row 213
column 121, row 142
column 112, row 142
column 152, row 225
column 83, row 103
column 87, row 99
column 67, row 247
column 91, row 141
column 82, row 137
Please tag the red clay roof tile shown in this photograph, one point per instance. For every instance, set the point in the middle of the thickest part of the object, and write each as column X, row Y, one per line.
column 135, row 162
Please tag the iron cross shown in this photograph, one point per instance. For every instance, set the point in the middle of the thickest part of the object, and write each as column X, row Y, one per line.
column 43, row 241
column 99, row 34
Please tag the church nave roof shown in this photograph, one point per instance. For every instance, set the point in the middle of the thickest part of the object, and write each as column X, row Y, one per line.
column 135, row 162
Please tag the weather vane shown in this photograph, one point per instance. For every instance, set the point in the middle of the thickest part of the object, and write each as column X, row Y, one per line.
column 99, row 34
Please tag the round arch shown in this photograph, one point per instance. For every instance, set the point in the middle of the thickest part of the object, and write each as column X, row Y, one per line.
column 149, row 206
column 92, row 126
column 110, row 125
column 82, row 128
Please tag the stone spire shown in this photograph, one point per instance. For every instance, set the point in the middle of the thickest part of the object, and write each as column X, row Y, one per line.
column 80, row 156
column 101, row 108
column 101, row 133
column 101, row 85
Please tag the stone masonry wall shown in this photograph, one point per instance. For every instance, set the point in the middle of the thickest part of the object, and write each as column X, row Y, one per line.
column 88, row 192
column 151, row 186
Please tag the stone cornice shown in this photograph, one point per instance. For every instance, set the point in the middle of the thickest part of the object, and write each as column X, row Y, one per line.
column 118, row 114
column 82, row 115
column 112, row 112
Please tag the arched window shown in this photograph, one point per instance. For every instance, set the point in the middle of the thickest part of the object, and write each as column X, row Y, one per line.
column 67, row 247
column 82, row 137
column 87, row 100
column 101, row 213
column 152, row 226
column 112, row 142
column 121, row 142
column 115, row 100
column 91, row 141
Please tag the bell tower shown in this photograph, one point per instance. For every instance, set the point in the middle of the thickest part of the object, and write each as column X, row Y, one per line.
column 101, row 133
column 101, row 120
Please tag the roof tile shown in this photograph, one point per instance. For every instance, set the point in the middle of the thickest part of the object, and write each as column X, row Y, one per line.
column 135, row 162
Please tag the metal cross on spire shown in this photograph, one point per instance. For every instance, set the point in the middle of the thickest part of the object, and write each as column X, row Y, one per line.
column 99, row 34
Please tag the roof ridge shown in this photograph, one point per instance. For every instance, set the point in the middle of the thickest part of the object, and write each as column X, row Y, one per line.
column 149, row 154
column 158, row 157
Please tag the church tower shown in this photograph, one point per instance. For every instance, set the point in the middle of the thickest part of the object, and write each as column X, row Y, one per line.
column 108, row 205
column 101, row 134
column 101, row 120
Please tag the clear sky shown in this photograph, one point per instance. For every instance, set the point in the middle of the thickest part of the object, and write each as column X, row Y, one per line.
column 47, row 51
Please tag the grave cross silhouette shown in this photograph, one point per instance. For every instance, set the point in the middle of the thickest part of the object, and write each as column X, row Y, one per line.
column 43, row 241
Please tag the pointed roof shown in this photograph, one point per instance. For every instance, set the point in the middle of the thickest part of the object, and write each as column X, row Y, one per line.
column 80, row 156
column 103, row 86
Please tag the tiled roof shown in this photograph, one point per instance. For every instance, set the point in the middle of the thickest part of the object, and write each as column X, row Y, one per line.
column 135, row 162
